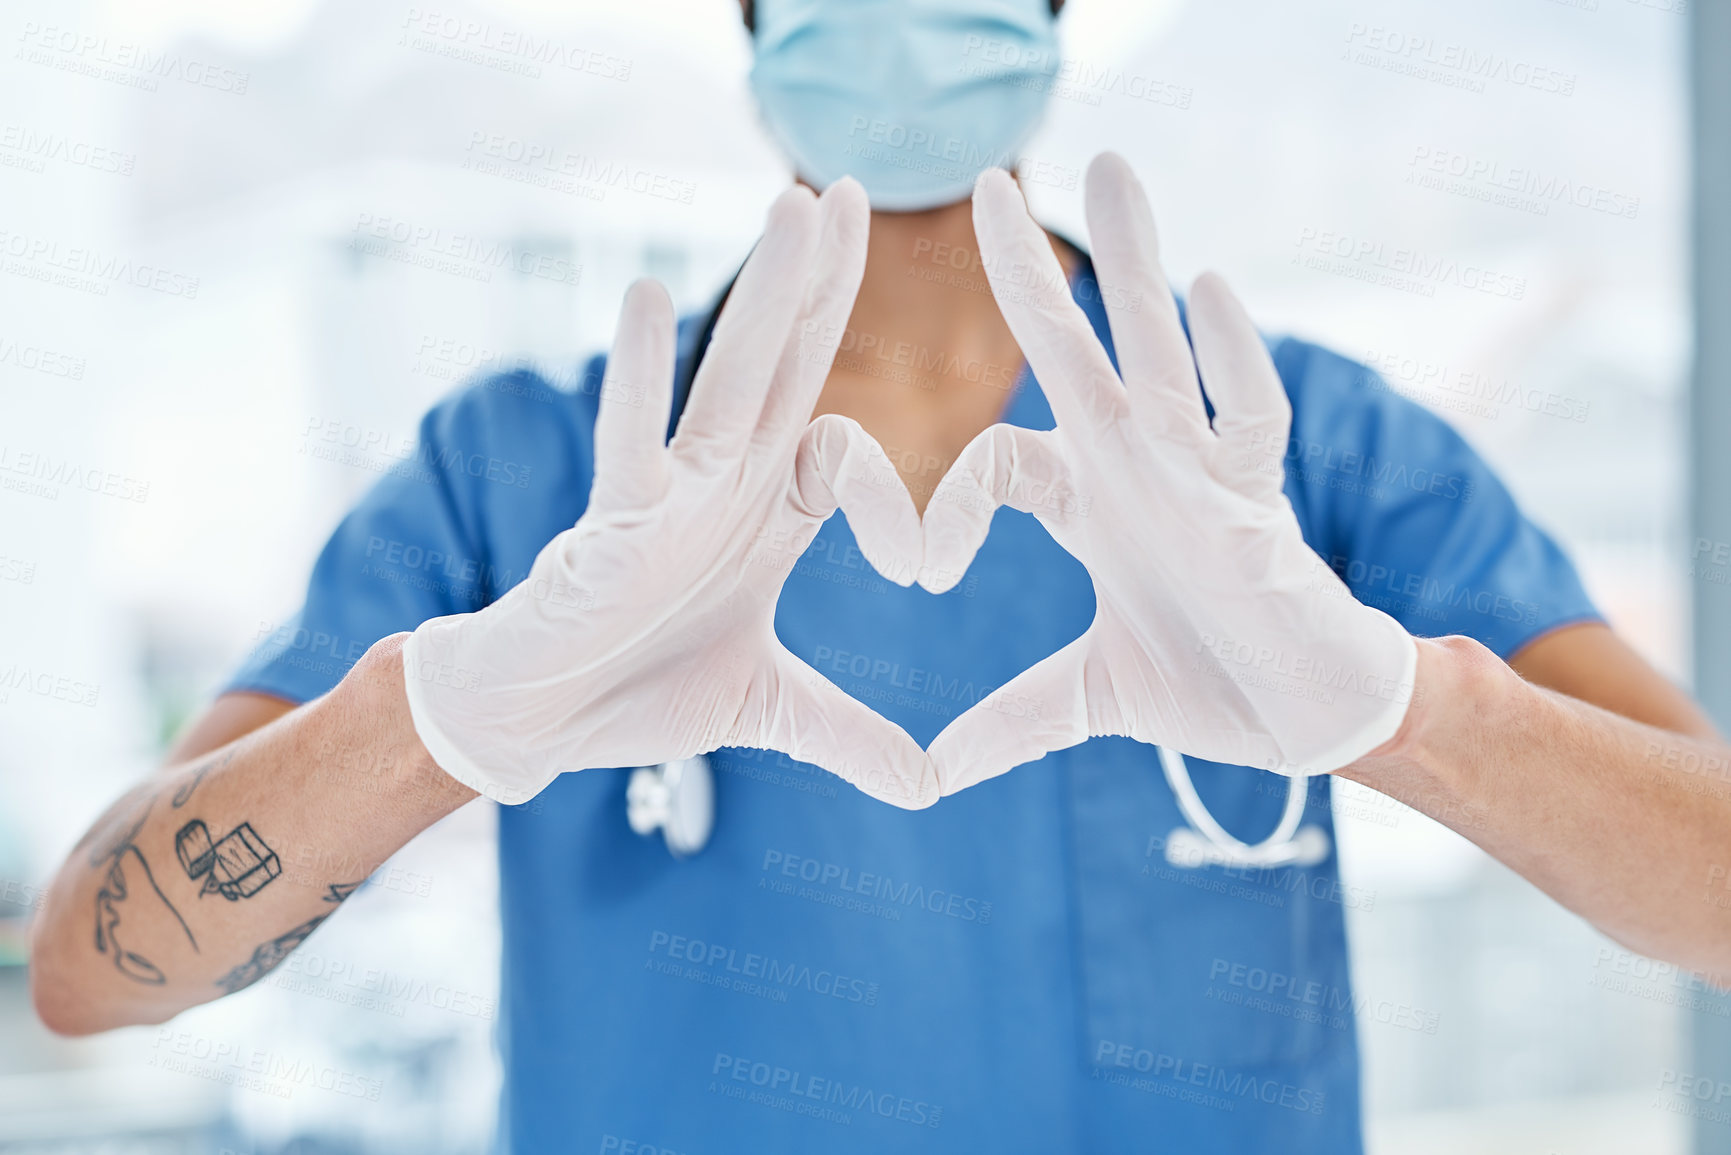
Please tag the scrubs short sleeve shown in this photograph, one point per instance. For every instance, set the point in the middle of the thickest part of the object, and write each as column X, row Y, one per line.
column 507, row 454
column 1411, row 518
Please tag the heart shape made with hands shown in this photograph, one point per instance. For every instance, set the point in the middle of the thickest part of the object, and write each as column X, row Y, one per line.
column 1218, row 632
column 645, row 633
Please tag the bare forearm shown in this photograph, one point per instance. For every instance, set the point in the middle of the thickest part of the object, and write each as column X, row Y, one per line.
column 1600, row 812
column 198, row 882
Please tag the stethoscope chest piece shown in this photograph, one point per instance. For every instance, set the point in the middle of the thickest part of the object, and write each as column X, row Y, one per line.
column 676, row 798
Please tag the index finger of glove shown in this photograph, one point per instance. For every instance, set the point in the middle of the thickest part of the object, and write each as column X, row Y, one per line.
column 631, row 426
column 1153, row 354
column 1034, row 296
column 808, row 717
column 1042, row 709
column 840, row 465
column 844, row 221
column 1252, row 414
column 1004, row 465
column 727, row 397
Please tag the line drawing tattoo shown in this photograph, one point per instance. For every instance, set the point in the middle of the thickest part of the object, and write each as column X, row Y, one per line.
column 115, row 891
column 267, row 955
column 237, row 865
column 341, row 890
column 184, row 793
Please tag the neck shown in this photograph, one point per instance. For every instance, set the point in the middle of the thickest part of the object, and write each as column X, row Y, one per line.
column 924, row 278
column 927, row 360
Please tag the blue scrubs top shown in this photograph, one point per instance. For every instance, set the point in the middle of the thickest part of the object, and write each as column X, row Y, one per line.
column 1014, row 969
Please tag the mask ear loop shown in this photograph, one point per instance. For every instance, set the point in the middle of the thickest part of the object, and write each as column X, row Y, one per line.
column 1206, row 843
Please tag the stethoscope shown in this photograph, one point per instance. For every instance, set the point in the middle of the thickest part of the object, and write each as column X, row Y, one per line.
column 678, row 799
column 1204, row 842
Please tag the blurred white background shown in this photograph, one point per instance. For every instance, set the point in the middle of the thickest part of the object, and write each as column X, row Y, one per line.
column 245, row 154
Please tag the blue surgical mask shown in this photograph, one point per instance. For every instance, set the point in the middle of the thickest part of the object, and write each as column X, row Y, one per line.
column 912, row 98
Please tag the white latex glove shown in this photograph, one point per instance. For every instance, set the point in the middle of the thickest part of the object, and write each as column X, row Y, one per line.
column 645, row 633
column 1218, row 633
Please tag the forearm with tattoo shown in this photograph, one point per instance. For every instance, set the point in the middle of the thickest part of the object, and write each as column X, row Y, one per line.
column 179, row 883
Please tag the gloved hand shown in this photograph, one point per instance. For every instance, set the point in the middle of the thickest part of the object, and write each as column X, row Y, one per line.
column 1218, row 632
column 645, row 633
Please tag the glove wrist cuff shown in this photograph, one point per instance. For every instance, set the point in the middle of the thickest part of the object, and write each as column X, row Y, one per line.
column 444, row 752
column 1388, row 721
